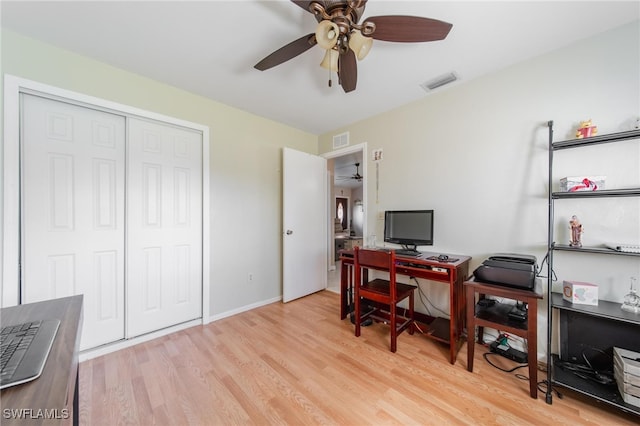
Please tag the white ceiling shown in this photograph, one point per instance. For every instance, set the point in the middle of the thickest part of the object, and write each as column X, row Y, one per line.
column 209, row 48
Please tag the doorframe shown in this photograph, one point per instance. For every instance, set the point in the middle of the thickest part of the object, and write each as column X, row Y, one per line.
column 10, row 211
column 361, row 147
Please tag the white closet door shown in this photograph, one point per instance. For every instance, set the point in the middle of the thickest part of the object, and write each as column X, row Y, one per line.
column 164, row 217
column 73, row 211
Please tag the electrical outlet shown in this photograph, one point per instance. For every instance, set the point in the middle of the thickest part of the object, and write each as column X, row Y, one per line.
column 250, row 277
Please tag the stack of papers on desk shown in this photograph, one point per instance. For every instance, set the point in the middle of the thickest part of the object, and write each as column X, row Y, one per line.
column 627, row 248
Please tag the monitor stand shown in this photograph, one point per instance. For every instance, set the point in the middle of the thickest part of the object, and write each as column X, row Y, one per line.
column 408, row 250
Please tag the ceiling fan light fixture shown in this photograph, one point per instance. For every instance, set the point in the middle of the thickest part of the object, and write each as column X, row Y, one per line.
column 330, row 60
column 360, row 44
column 327, row 34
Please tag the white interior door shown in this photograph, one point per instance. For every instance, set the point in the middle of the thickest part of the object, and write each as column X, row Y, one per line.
column 164, row 216
column 304, row 224
column 73, row 211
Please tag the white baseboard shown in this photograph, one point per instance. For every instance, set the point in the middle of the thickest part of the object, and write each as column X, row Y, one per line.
column 244, row 308
column 122, row 344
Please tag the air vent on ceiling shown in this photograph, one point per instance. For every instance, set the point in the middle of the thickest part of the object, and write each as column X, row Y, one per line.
column 439, row 81
column 341, row 140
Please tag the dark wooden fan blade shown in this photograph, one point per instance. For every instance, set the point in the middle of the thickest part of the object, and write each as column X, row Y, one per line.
column 408, row 28
column 348, row 71
column 287, row 52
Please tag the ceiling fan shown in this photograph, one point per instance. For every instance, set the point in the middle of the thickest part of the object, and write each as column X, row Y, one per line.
column 357, row 176
column 344, row 40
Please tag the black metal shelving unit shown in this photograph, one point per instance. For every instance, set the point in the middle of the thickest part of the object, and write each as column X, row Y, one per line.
column 604, row 311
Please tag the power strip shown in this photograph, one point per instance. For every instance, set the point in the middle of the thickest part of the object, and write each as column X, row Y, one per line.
column 508, row 352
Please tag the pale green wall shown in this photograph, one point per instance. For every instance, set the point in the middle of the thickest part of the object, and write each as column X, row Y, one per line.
column 245, row 162
column 477, row 154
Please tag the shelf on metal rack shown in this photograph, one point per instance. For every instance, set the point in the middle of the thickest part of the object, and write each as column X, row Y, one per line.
column 599, row 250
column 604, row 309
column 601, row 193
column 605, row 393
column 596, row 140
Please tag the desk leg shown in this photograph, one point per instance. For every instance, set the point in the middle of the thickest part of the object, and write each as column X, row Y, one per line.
column 460, row 308
column 453, row 321
column 471, row 327
column 461, row 312
column 532, row 344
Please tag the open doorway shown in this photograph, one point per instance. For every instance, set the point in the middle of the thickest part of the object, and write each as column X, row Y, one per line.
column 347, row 171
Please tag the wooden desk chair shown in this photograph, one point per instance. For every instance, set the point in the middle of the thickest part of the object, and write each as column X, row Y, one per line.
column 386, row 293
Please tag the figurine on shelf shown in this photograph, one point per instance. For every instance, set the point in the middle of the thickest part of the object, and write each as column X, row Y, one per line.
column 576, row 232
column 586, row 129
column 631, row 300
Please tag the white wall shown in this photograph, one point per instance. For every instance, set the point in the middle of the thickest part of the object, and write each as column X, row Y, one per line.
column 477, row 154
column 245, row 161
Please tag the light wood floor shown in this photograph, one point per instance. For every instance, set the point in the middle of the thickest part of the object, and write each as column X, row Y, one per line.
column 298, row 364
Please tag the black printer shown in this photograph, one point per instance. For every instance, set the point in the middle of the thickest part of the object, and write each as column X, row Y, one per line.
column 509, row 269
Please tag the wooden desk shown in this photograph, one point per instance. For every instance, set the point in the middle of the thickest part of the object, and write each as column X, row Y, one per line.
column 451, row 273
column 497, row 317
column 47, row 399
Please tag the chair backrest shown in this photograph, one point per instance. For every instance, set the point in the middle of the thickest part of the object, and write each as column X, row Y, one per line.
column 375, row 259
column 381, row 260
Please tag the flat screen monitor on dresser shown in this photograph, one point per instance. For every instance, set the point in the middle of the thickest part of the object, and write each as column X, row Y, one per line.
column 409, row 228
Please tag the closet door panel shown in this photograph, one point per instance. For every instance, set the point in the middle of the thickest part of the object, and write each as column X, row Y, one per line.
column 164, row 235
column 73, row 211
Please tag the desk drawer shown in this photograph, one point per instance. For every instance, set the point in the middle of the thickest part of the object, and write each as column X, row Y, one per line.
column 428, row 274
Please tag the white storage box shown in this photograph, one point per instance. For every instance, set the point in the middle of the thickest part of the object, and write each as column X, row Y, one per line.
column 626, row 369
column 582, row 183
column 580, row 293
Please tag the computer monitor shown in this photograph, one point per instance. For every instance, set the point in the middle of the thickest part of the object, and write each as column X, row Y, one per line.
column 409, row 228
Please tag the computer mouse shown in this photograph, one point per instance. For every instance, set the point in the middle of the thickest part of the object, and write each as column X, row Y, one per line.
column 443, row 257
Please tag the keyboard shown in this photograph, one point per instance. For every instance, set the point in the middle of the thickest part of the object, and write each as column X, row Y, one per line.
column 411, row 253
column 24, row 349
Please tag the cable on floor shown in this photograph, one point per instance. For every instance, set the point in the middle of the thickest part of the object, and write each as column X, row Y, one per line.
column 486, row 356
column 421, row 295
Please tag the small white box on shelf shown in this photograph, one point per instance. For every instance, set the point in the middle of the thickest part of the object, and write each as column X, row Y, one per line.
column 582, row 183
column 580, row 293
column 626, row 370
